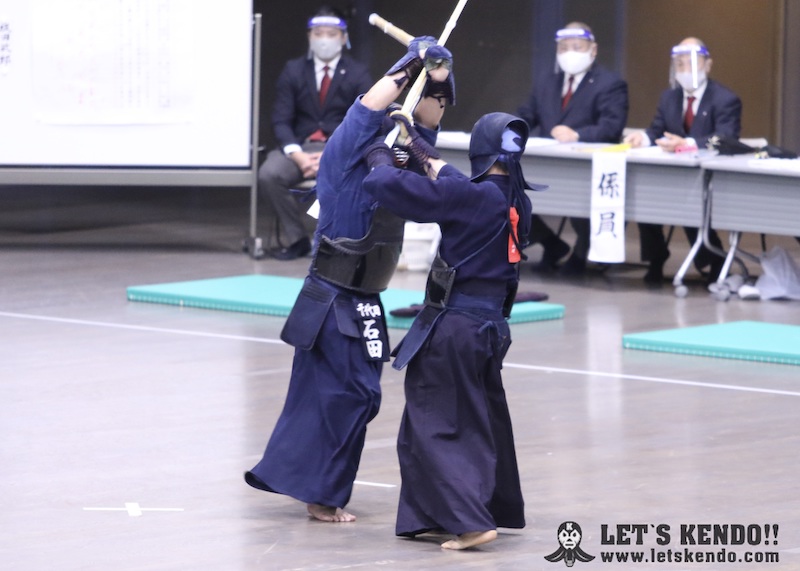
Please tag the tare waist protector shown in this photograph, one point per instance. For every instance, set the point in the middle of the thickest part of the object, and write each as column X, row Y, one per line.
column 366, row 264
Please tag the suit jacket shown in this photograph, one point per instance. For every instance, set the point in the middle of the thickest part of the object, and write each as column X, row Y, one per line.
column 297, row 112
column 718, row 113
column 598, row 109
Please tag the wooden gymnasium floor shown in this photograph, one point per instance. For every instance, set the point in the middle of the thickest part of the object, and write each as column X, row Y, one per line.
column 126, row 426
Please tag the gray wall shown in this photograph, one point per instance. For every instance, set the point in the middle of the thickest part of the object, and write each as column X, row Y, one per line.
column 744, row 44
column 789, row 125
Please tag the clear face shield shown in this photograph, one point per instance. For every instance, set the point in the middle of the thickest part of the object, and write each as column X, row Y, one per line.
column 688, row 67
column 574, row 50
column 325, row 34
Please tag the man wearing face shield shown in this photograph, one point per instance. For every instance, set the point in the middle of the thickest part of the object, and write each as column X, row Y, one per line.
column 579, row 101
column 690, row 112
column 312, row 96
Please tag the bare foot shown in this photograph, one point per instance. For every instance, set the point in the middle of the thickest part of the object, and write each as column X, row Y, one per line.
column 328, row 513
column 470, row 539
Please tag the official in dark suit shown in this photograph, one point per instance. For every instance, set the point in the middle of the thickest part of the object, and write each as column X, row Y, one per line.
column 312, row 95
column 688, row 114
column 581, row 101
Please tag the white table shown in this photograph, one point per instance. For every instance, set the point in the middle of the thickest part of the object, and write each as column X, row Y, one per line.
column 753, row 195
column 662, row 188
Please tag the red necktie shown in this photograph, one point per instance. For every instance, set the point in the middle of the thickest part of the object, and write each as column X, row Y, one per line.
column 324, row 85
column 568, row 94
column 688, row 119
column 319, row 135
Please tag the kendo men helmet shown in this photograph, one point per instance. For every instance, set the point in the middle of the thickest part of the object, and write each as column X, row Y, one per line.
column 498, row 136
column 486, row 141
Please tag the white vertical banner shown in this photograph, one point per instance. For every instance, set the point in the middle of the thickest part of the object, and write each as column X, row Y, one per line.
column 608, row 208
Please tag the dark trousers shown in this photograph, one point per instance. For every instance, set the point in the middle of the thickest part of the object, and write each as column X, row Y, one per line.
column 276, row 178
column 654, row 246
column 652, row 243
column 542, row 234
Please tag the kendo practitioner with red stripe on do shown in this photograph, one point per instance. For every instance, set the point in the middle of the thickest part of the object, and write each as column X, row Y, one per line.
column 337, row 324
column 456, row 446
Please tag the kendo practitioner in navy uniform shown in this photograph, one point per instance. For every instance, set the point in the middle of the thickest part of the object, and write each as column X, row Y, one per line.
column 337, row 324
column 456, row 446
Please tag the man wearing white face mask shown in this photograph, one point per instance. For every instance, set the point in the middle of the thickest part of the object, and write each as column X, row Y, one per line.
column 689, row 113
column 312, row 95
column 579, row 101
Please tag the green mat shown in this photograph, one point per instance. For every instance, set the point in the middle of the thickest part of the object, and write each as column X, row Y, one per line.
column 747, row 340
column 275, row 295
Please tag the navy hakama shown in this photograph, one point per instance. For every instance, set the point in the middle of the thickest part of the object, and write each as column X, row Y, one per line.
column 314, row 451
column 456, row 446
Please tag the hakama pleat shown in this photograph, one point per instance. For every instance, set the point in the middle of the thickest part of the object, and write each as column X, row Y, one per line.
column 314, row 451
column 456, row 446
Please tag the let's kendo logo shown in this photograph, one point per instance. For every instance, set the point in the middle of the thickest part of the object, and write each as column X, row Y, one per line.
column 662, row 543
column 569, row 550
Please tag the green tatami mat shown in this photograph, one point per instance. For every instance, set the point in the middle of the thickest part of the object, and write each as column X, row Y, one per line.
column 746, row 340
column 274, row 295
